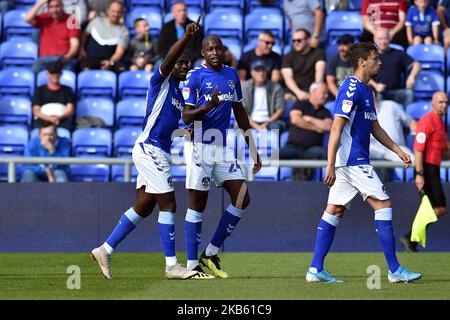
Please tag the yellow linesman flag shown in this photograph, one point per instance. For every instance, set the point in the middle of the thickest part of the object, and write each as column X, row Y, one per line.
column 424, row 216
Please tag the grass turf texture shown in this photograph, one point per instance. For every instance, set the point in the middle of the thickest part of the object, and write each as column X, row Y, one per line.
column 259, row 276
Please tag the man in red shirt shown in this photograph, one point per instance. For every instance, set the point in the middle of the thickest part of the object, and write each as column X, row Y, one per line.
column 389, row 14
column 59, row 35
column 430, row 146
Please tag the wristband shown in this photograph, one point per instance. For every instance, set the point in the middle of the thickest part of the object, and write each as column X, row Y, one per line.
column 420, row 172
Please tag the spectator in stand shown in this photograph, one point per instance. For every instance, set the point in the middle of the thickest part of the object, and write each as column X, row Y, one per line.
column 105, row 41
column 390, row 15
column 174, row 30
column 393, row 119
column 302, row 66
column 77, row 9
column 306, row 14
column 47, row 144
column 59, row 38
column 395, row 64
column 229, row 59
column 53, row 102
column 142, row 51
column 263, row 99
column 340, row 66
column 443, row 12
column 98, row 8
column 266, row 41
column 309, row 121
column 422, row 23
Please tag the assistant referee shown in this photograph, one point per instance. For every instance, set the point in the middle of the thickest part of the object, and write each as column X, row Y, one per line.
column 430, row 145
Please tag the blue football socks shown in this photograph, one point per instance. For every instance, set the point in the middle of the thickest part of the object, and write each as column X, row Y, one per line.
column 127, row 223
column 193, row 230
column 325, row 235
column 166, row 228
column 385, row 231
column 227, row 223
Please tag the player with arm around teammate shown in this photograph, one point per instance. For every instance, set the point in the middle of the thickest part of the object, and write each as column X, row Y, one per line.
column 151, row 155
column 349, row 171
column 211, row 91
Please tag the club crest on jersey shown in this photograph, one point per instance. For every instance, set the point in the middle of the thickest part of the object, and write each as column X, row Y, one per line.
column 209, row 85
column 186, row 92
column 231, row 84
column 170, row 182
column 205, row 181
column 347, row 105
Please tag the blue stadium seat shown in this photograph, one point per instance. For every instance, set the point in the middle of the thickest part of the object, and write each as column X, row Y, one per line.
column 354, row 5
column 97, row 83
column 430, row 56
column 118, row 175
column 331, row 50
column 102, row 108
column 267, row 142
column 92, row 142
column 13, row 140
column 251, row 5
column 234, row 45
column 131, row 4
column 284, row 138
column 214, row 4
column 24, row 3
column 417, row 109
column 68, row 78
column 18, row 53
column 338, row 23
column 16, row 81
column 133, row 84
column 130, row 112
column 267, row 174
column 124, row 139
column 15, row 25
column 226, row 23
column 15, row 110
column 330, row 107
column 286, row 49
column 153, row 16
column 89, row 172
column 396, row 46
column 261, row 19
column 427, row 83
column 61, row 132
column 254, row 43
column 285, row 174
column 178, row 173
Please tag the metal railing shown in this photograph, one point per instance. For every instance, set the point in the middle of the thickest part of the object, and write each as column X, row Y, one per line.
column 12, row 162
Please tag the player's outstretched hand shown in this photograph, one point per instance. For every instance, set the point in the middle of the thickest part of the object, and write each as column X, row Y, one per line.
column 193, row 28
column 257, row 166
column 330, row 176
column 405, row 158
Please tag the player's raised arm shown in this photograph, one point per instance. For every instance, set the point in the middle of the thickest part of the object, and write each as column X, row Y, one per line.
column 381, row 135
column 333, row 143
column 177, row 49
column 244, row 124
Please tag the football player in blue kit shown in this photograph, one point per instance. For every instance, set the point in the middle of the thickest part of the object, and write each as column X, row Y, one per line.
column 349, row 171
column 211, row 91
column 151, row 156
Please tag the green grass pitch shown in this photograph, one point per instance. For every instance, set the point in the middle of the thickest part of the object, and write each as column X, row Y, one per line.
column 258, row 276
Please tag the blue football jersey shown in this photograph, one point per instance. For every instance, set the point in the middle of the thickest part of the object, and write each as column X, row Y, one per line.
column 354, row 101
column 164, row 106
column 197, row 91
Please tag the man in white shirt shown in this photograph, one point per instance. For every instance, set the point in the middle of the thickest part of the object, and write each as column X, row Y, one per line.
column 263, row 99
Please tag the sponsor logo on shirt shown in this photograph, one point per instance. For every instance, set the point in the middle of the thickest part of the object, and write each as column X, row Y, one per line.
column 225, row 97
column 370, row 116
column 186, row 92
column 177, row 104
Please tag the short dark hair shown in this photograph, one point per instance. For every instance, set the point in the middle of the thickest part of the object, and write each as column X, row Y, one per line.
column 54, row 67
column 46, row 124
column 306, row 32
column 361, row 50
column 136, row 21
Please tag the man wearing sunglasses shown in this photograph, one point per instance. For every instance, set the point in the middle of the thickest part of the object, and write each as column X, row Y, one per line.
column 302, row 66
column 263, row 51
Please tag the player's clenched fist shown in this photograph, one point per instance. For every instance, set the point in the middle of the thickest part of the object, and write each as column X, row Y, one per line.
column 193, row 28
